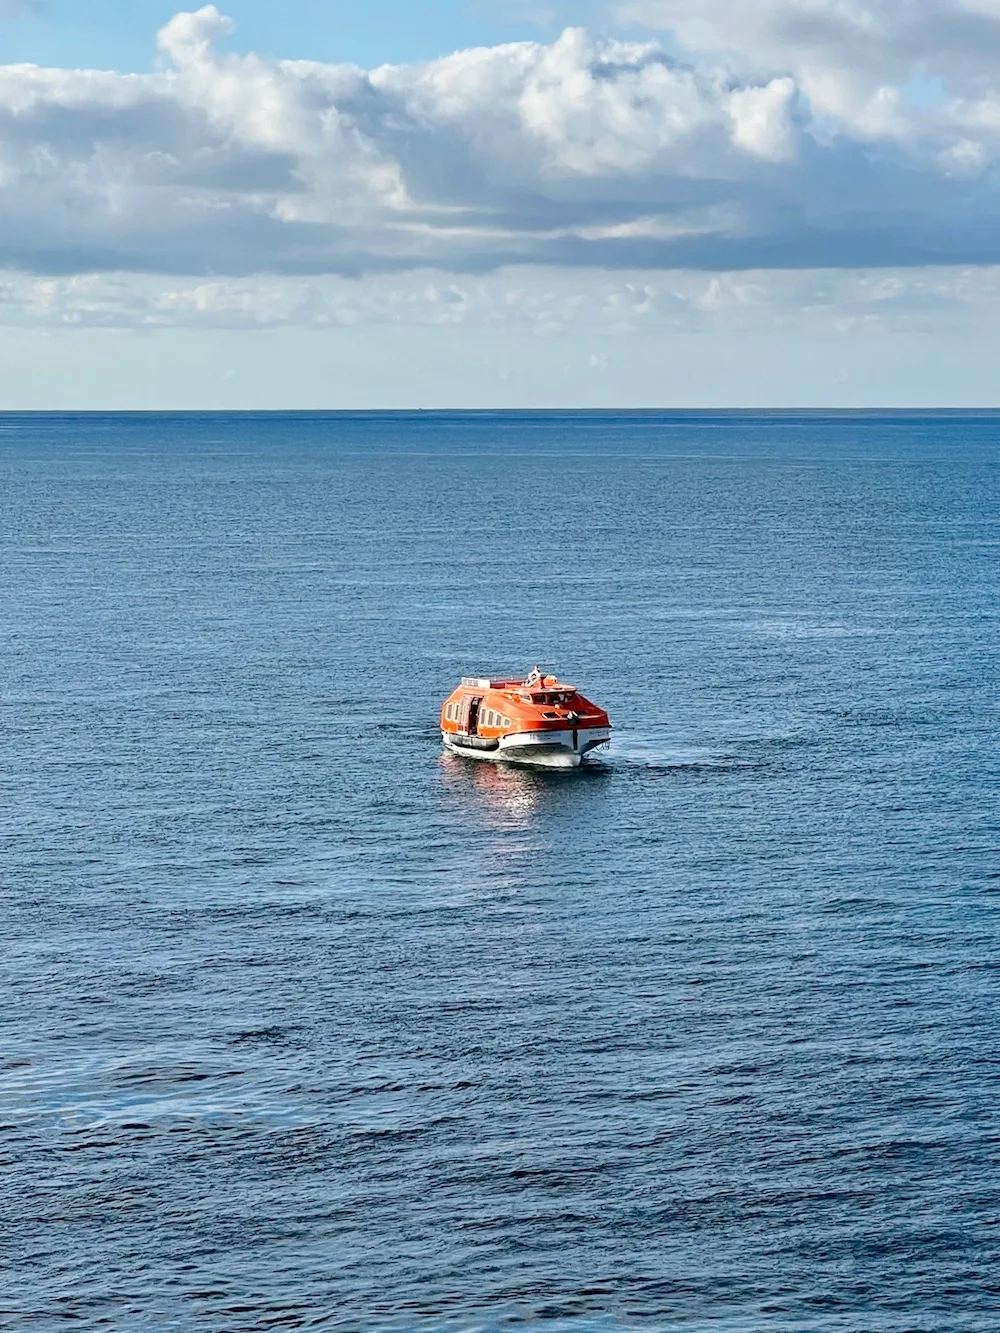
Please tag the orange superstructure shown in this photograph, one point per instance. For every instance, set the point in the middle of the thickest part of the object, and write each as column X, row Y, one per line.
column 539, row 720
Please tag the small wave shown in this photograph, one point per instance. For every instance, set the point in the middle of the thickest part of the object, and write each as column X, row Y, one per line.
column 678, row 761
column 705, row 766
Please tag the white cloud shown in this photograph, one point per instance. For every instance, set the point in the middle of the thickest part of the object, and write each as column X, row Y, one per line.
column 870, row 65
column 814, row 133
column 537, row 302
column 762, row 121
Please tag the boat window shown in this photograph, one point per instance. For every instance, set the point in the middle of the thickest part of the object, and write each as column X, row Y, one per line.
column 550, row 715
column 447, row 712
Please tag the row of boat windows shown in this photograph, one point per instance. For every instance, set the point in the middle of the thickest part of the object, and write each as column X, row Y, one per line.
column 492, row 719
column 487, row 718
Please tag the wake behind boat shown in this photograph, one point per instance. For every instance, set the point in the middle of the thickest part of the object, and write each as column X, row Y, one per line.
column 540, row 720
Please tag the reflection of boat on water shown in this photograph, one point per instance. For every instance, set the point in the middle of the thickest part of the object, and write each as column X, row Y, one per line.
column 540, row 720
column 507, row 796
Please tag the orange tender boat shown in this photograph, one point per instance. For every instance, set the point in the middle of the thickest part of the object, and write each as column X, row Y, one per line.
column 539, row 720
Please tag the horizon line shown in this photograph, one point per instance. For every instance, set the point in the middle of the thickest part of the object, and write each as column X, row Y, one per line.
column 498, row 411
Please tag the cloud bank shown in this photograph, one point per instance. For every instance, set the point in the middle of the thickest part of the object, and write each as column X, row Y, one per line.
column 540, row 303
column 792, row 134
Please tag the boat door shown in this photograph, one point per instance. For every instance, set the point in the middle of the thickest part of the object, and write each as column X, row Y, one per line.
column 470, row 717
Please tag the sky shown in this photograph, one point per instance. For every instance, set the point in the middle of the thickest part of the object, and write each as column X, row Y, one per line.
column 499, row 203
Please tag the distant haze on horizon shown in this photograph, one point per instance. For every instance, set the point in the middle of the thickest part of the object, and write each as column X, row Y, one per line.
column 500, row 203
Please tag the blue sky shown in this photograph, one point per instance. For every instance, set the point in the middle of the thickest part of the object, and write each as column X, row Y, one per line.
column 119, row 34
column 599, row 202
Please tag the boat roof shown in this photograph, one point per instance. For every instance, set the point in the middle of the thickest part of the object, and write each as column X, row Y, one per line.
column 514, row 683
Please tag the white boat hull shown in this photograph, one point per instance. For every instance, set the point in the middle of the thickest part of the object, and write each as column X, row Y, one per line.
column 541, row 749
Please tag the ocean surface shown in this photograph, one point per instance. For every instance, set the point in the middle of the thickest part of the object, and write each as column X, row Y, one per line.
column 304, row 1024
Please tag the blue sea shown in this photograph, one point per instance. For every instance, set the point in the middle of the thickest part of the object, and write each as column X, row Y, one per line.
column 305, row 1024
